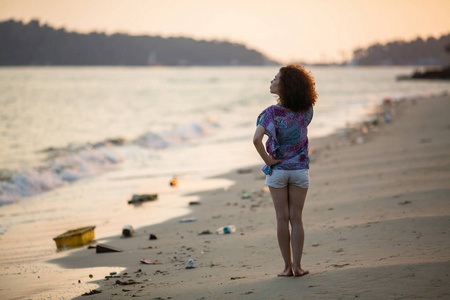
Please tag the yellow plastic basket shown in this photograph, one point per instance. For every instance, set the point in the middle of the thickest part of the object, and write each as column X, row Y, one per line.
column 75, row 238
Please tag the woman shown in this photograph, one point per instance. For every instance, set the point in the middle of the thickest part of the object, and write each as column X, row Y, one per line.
column 286, row 157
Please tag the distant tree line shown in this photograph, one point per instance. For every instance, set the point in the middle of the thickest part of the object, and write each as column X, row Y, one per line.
column 36, row 44
column 417, row 52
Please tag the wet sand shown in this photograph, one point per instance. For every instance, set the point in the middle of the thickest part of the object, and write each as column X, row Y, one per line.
column 376, row 222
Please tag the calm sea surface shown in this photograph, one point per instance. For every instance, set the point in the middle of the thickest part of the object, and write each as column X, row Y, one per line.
column 71, row 138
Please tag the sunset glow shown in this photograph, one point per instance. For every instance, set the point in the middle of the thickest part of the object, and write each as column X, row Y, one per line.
column 321, row 30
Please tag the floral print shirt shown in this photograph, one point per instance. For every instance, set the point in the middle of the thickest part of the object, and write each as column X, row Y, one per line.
column 287, row 133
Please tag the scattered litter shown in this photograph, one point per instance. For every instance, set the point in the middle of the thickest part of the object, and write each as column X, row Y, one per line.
column 101, row 248
column 92, row 292
column 116, row 141
column 127, row 231
column 128, row 282
column 387, row 101
column 245, row 195
column 387, row 118
column 161, row 272
column 237, row 277
column 359, row 140
column 113, row 276
column 142, row 198
column 226, row 229
column 244, row 171
column 75, row 238
column 149, row 261
column 188, row 220
column 153, row 236
column 194, row 203
column 339, row 266
column 404, row 202
column 205, row 232
column 174, row 182
column 190, row 264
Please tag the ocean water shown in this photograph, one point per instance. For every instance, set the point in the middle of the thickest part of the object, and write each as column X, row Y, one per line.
column 77, row 142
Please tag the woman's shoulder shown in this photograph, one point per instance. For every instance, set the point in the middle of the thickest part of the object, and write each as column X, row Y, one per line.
column 269, row 110
column 303, row 116
column 277, row 109
column 272, row 107
column 307, row 112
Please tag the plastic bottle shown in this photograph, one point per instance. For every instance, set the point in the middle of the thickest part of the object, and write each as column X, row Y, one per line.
column 188, row 220
column 226, row 229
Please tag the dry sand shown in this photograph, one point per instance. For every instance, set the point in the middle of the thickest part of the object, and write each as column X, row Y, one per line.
column 376, row 218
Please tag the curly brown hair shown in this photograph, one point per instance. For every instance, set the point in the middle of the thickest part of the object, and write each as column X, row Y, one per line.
column 296, row 88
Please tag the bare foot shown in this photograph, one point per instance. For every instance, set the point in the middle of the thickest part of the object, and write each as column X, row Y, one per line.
column 300, row 272
column 286, row 273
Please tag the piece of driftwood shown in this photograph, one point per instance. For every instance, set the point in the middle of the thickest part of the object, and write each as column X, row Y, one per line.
column 142, row 198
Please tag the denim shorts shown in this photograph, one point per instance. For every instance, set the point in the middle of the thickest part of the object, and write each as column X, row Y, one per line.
column 281, row 178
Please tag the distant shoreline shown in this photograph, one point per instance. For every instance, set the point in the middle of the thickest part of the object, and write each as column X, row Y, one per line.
column 429, row 73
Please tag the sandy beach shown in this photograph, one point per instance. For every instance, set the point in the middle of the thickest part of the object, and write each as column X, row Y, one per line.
column 376, row 222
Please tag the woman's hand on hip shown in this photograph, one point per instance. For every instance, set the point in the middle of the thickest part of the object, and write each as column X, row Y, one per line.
column 272, row 161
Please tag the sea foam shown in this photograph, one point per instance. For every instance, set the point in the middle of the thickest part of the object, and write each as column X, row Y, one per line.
column 73, row 163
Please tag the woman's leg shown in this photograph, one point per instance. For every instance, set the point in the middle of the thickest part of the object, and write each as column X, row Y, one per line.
column 297, row 196
column 281, row 203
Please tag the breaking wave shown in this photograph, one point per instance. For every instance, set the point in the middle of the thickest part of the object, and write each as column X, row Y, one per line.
column 73, row 163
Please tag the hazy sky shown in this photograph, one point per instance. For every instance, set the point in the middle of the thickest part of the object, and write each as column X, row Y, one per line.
column 285, row 30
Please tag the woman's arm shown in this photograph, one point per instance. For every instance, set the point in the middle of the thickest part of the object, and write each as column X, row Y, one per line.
column 257, row 141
